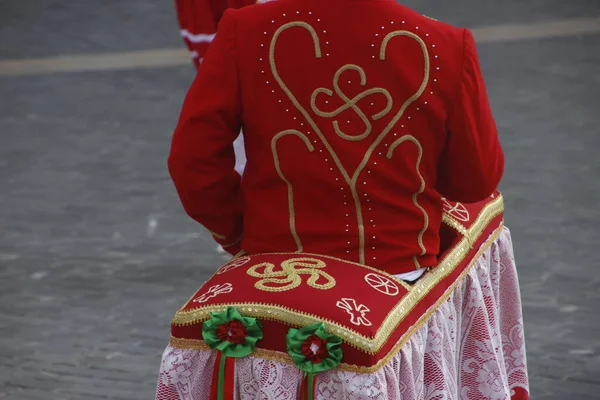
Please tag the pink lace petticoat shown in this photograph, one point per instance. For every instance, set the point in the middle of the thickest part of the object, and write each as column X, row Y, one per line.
column 472, row 348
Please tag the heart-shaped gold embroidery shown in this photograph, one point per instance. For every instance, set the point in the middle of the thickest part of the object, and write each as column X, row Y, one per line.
column 351, row 180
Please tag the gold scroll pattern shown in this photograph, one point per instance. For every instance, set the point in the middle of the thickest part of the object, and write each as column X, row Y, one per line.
column 415, row 196
column 290, row 189
column 287, row 277
column 350, row 179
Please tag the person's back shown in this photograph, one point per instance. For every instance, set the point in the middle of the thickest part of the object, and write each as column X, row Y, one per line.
column 358, row 116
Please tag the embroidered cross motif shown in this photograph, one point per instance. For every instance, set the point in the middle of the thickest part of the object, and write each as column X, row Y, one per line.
column 214, row 291
column 238, row 262
column 458, row 210
column 356, row 311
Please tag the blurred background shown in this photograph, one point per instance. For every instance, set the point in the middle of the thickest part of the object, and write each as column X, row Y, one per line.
column 96, row 253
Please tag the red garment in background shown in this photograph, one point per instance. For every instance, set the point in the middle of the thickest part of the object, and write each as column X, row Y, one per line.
column 198, row 20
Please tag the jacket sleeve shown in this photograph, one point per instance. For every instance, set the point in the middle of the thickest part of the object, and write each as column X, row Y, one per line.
column 473, row 161
column 202, row 160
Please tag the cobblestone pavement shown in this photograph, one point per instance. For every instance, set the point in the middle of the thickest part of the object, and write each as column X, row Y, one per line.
column 96, row 253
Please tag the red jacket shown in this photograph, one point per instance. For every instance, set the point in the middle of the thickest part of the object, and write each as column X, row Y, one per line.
column 198, row 20
column 356, row 124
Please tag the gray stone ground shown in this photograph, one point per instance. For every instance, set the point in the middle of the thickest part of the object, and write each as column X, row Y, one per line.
column 96, row 253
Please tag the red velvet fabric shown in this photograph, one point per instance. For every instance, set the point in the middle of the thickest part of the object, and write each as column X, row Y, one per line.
column 373, row 198
column 235, row 284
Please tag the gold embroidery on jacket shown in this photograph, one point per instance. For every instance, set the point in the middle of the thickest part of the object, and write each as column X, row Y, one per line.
column 288, row 277
column 222, row 237
column 351, row 103
column 217, row 235
column 234, row 243
column 350, row 180
column 431, row 18
column 415, row 195
column 291, row 209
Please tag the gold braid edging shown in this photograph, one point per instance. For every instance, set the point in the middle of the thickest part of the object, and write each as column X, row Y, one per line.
column 392, row 320
column 276, row 356
column 290, row 189
column 415, row 195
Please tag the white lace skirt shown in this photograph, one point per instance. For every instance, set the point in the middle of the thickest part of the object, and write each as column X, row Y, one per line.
column 472, row 347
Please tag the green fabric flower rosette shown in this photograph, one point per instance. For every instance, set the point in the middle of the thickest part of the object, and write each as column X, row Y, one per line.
column 313, row 351
column 231, row 334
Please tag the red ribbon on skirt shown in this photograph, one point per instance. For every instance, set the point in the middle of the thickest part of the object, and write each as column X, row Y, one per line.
column 307, row 387
column 222, row 387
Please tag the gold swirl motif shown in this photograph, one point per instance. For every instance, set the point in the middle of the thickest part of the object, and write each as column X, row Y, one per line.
column 415, row 195
column 350, row 180
column 351, row 103
column 288, row 277
column 291, row 209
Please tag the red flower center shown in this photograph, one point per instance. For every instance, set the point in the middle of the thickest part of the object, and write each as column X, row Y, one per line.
column 315, row 349
column 233, row 331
